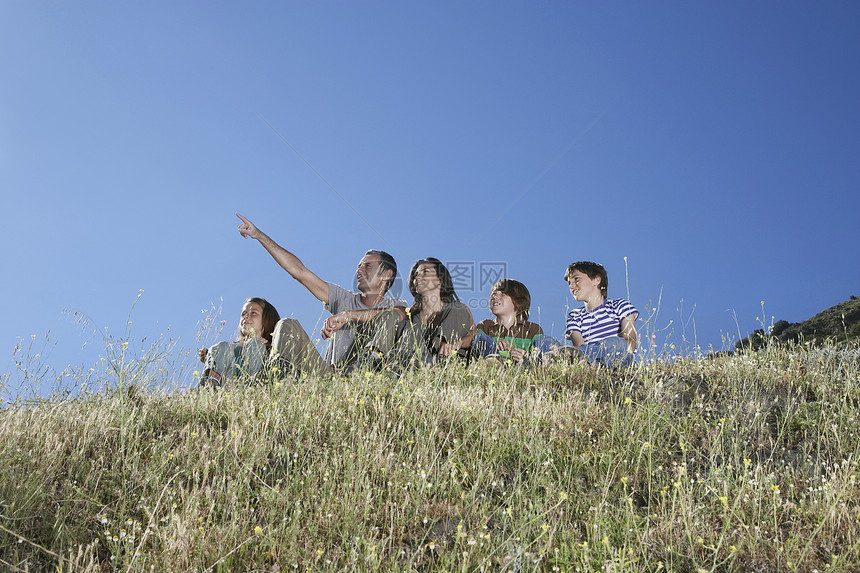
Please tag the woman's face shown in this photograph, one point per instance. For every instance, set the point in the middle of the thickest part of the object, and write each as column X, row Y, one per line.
column 426, row 280
column 251, row 323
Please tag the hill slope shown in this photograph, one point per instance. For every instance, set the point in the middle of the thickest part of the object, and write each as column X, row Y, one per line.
column 839, row 323
column 740, row 463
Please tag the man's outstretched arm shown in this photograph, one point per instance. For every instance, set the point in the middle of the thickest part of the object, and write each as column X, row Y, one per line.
column 288, row 261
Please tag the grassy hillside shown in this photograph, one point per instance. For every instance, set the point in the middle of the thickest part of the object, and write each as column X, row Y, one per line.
column 739, row 463
column 837, row 325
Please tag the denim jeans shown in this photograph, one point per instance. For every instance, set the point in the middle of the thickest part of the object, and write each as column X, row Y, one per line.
column 483, row 345
column 613, row 352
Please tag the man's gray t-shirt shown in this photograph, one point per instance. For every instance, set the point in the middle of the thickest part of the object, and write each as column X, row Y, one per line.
column 339, row 300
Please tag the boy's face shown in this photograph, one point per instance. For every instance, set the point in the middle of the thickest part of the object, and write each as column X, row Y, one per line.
column 582, row 287
column 502, row 304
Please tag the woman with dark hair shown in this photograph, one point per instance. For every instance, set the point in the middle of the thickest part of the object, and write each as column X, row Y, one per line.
column 247, row 354
column 435, row 322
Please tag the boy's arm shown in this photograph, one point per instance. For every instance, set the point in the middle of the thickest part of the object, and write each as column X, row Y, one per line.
column 628, row 330
column 288, row 261
column 576, row 337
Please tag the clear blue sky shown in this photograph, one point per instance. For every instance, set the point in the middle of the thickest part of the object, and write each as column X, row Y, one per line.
column 714, row 145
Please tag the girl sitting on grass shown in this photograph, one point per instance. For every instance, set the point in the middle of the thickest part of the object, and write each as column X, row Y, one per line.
column 509, row 334
column 603, row 330
column 248, row 353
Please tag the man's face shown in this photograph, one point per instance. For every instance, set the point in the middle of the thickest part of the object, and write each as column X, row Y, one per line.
column 368, row 277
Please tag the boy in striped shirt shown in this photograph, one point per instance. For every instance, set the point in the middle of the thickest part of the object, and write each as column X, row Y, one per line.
column 604, row 330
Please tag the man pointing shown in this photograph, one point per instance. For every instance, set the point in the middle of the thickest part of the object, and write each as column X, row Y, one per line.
column 356, row 317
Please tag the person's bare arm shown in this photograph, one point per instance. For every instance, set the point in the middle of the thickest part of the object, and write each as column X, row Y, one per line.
column 288, row 261
column 337, row 321
column 576, row 337
column 466, row 341
column 451, row 348
column 628, row 330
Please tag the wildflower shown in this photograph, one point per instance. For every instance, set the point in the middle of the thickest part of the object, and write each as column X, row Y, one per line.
column 258, row 530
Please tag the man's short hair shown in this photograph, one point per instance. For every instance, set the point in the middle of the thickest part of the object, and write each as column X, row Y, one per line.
column 386, row 262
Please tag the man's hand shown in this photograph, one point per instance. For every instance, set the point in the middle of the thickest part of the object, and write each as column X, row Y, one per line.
column 334, row 323
column 288, row 261
column 247, row 228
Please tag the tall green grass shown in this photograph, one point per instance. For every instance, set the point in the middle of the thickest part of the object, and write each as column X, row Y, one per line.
column 738, row 463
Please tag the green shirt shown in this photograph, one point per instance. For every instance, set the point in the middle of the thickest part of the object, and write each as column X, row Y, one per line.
column 520, row 335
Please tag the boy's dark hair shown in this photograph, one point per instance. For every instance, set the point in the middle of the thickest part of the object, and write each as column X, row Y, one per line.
column 386, row 262
column 446, row 290
column 270, row 318
column 593, row 271
column 519, row 295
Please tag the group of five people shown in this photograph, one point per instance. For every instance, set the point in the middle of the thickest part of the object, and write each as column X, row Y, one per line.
column 368, row 329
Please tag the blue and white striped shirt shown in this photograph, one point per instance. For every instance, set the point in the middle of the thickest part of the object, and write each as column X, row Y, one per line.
column 600, row 323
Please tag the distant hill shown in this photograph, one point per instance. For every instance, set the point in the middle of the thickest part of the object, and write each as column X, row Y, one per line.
column 839, row 323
